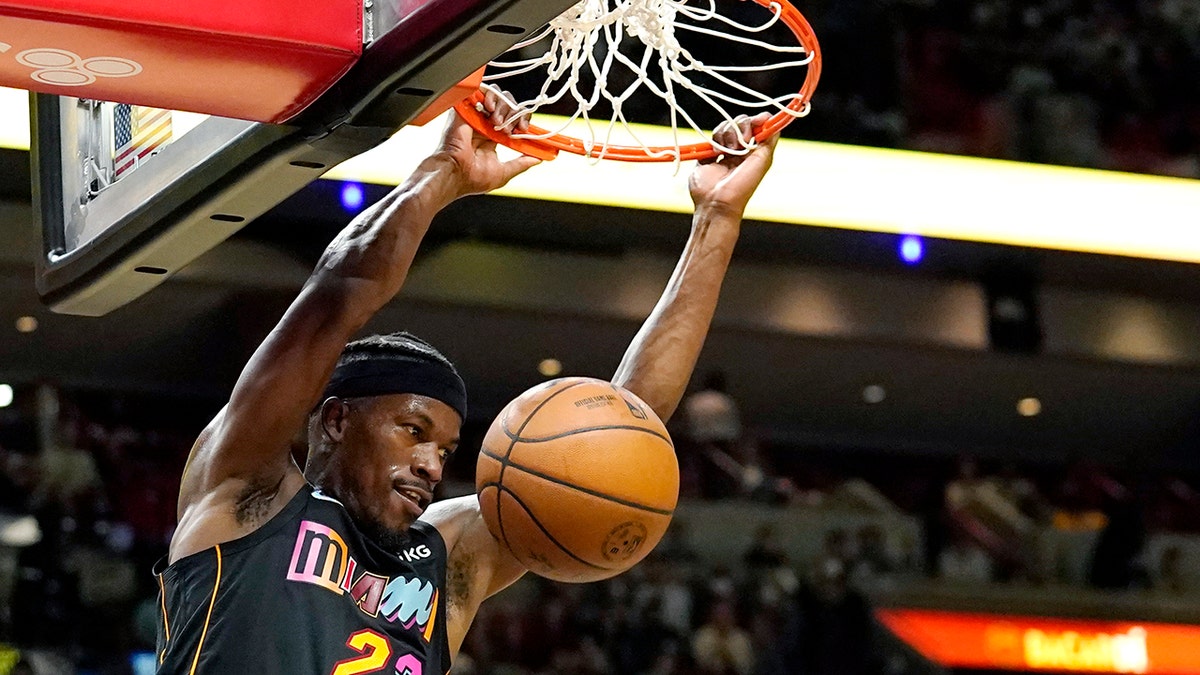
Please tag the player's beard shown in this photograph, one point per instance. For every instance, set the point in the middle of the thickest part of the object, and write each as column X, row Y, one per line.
column 390, row 539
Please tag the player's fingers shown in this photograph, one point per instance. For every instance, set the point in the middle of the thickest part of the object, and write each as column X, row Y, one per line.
column 721, row 134
column 519, row 165
column 489, row 100
column 523, row 123
column 734, row 135
column 760, row 119
column 758, row 122
column 506, row 110
column 745, row 131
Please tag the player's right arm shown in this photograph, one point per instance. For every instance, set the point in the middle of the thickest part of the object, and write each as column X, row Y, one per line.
column 660, row 359
column 240, row 471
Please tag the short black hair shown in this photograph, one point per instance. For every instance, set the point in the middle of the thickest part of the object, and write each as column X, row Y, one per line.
column 392, row 345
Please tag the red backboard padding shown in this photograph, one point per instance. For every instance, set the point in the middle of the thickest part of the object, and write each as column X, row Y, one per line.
column 246, row 59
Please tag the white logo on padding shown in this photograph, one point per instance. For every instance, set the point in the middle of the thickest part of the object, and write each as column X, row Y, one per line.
column 67, row 69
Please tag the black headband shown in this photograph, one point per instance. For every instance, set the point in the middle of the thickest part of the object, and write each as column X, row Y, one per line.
column 399, row 374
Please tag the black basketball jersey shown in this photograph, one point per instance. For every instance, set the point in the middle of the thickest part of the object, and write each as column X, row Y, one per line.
column 306, row 594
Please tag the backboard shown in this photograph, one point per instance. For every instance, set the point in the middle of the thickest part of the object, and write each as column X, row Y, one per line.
column 126, row 194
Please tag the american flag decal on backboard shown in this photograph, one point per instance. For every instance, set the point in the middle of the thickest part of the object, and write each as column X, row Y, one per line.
column 137, row 132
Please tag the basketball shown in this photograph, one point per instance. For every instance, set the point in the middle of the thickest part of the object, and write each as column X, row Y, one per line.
column 577, row 477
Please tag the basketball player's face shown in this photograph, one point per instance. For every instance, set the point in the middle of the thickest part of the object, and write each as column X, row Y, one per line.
column 394, row 449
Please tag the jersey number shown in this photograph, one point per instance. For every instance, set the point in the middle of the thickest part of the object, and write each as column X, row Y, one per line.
column 375, row 651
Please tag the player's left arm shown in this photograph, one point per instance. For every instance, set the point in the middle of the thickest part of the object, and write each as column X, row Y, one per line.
column 477, row 568
column 659, row 362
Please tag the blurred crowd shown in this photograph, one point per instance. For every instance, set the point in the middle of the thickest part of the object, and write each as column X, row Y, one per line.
column 87, row 503
column 88, row 483
column 1076, row 523
column 676, row 614
column 1104, row 84
column 1092, row 83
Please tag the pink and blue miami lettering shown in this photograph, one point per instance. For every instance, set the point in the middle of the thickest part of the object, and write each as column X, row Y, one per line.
column 409, row 601
column 322, row 558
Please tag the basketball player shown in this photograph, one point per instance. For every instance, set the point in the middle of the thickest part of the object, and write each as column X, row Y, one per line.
column 346, row 567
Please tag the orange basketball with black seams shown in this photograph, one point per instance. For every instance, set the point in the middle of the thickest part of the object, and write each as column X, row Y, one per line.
column 578, row 478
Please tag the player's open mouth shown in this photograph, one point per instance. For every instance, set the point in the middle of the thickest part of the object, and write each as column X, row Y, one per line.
column 417, row 500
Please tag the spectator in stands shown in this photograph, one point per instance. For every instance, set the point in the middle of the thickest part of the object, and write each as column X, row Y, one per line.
column 746, row 474
column 1076, row 522
column 720, row 585
column 1022, row 493
column 666, row 596
column 19, row 477
column 931, row 509
column 672, row 660
column 639, row 635
column 758, row 480
column 835, row 625
column 1116, row 560
column 772, row 634
column 874, row 564
column 579, row 656
column 985, row 508
column 765, row 553
column 772, row 582
column 70, row 480
column 713, row 426
column 837, row 547
column 1172, row 578
column 675, row 547
column 712, row 415
column 965, row 561
column 720, row 646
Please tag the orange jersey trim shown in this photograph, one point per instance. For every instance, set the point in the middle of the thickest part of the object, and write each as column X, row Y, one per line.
column 207, row 617
column 162, row 598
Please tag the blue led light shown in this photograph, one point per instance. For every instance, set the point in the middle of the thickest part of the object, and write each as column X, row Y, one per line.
column 912, row 249
column 352, row 196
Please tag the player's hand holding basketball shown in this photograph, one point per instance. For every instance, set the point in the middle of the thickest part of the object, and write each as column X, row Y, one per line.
column 478, row 168
column 726, row 182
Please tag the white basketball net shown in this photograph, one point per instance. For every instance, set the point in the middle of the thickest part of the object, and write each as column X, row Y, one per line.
column 585, row 55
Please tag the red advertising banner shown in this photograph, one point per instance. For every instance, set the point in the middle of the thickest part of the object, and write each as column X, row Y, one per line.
column 1012, row 642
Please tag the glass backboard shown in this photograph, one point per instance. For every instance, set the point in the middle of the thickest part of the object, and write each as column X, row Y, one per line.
column 126, row 195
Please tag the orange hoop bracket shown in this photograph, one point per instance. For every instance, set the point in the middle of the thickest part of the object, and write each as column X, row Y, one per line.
column 548, row 148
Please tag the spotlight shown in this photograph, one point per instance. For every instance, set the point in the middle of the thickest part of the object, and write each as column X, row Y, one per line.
column 1029, row 407
column 912, row 249
column 550, row 367
column 352, row 196
column 873, row 393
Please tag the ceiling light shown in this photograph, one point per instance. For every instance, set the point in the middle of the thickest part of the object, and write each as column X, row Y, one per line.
column 26, row 324
column 550, row 367
column 912, row 249
column 6, row 395
column 873, row 393
column 352, row 197
column 1029, row 407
